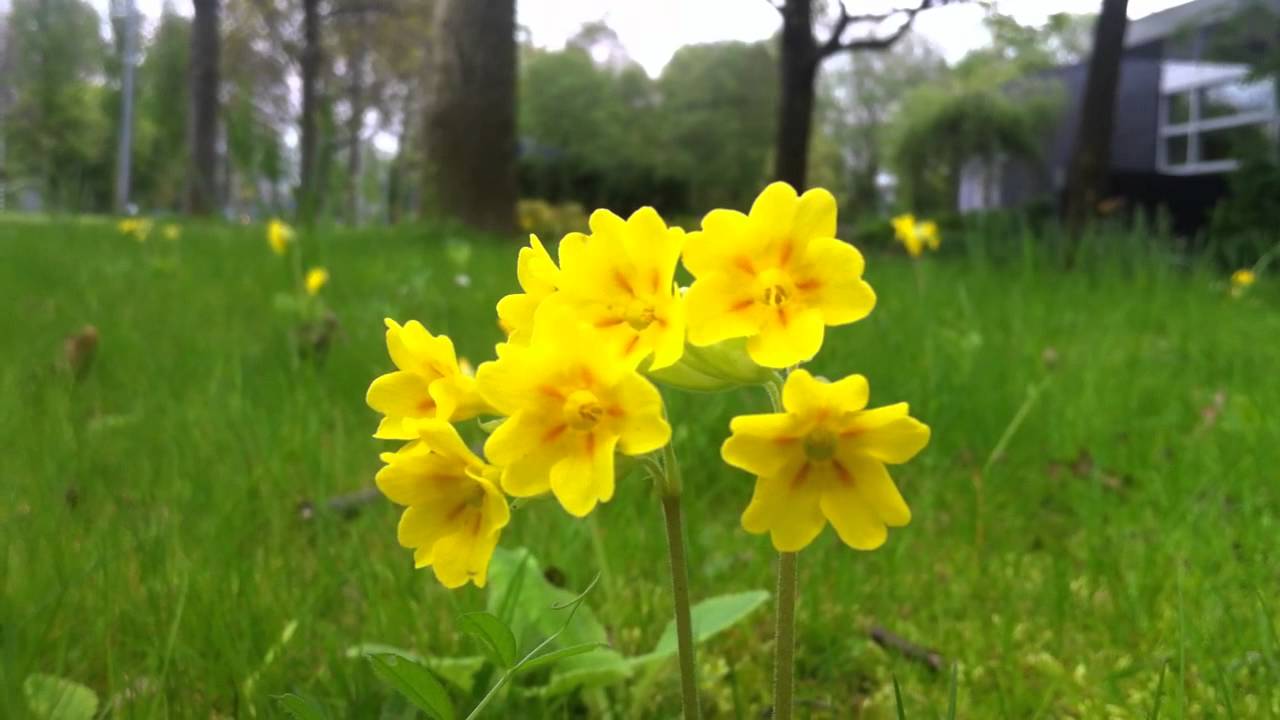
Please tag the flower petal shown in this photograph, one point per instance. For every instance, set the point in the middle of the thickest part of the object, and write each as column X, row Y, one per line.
column 830, row 278
column 852, row 518
column 463, row 557
column 815, row 215
column 719, row 307
column 725, row 234
column 585, row 475
column 767, row 450
column 773, row 212
column 401, row 394
column 787, row 506
column 787, row 338
column 669, row 337
column 643, row 427
column 870, row 478
column 805, row 395
column 887, row 434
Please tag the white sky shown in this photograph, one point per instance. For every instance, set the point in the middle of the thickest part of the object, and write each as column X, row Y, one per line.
column 652, row 30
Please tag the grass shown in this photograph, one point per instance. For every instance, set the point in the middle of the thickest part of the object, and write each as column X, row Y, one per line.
column 154, row 548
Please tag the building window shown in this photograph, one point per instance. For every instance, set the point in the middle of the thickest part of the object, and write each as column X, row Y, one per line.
column 1212, row 116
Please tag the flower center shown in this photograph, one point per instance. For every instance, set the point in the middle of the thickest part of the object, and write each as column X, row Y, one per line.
column 820, row 445
column 582, row 410
column 639, row 314
column 775, row 288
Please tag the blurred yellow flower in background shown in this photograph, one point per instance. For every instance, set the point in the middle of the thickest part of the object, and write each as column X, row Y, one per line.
column 317, row 278
column 171, row 232
column 539, row 278
column 279, row 235
column 568, row 408
column 427, row 384
column 1242, row 279
column 823, row 459
column 620, row 279
column 916, row 236
column 777, row 276
column 137, row 228
column 454, row 511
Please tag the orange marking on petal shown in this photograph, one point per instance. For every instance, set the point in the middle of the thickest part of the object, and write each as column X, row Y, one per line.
column 655, row 282
column 631, row 344
column 426, row 405
column 800, row 477
column 551, row 392
column 743, row 263
column 591, row 444
column 622, row 281
column 609, row 322
column 810, row 284
column 615, row 411
column 842, row 472
column 785, row 255
column 741, row 305
column 554, row 433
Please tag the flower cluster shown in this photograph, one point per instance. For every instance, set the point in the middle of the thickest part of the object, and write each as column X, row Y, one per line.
column 279, row 236
column 1242, row 280
column 594, row 328
column 137, row 228
column 916, row 236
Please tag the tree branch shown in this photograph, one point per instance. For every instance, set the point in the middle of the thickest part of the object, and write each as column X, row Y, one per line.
column 833, row 44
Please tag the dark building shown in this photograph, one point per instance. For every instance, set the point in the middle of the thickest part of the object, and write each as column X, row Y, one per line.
column 1185, row 111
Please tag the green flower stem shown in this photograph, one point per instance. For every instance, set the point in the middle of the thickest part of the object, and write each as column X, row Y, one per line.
column 673, row 515
column 784, row 669
column 784, row 653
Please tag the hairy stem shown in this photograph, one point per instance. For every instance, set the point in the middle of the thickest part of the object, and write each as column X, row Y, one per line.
column 785, row 642
column 680, row 594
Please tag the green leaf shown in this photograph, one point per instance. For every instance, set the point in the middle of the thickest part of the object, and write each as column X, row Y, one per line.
column 593, row 669
column 302, row 707
column 534, row 617
column 951, row 703
column 556, row 656
column 54, row 698
column 459, row 672
column 709, row 617
column 496, row 640
column 416, row 683
column 897, row 699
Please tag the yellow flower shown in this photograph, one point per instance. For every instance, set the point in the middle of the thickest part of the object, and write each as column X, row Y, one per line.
column 777, row 276
column 539, row 278
column 907, row 233
column 279, row 235
column 928, row 232
column 138, row 228
column 1243, row 278
column 454, row 511
column 621, row 280
column 568, row 408
column 172, row 232
column 823, row 459
column 317, row 278
column 427, row 385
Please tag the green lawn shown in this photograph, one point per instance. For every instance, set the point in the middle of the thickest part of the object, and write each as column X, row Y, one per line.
column 154, row 549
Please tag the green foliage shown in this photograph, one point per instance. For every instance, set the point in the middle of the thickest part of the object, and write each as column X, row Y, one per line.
column 416, row 683
column 50, row 697
column 57, row 132
column 160, row 163
column 1243, row 225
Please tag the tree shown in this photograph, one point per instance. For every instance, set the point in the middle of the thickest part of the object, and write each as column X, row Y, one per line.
column 1087, row 172
column 202, row 184
column 471, row 123
column 56, row 130
column 717, row 119
column 857, row 102
column 801, row 56
column 160, row 145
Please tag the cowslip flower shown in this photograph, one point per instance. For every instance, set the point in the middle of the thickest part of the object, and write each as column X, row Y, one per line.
column 1243, row 278
column 539, row 277
column 317, row 278
column 279, row 235
column 172, row 232
column 928, row 232
column 621, row 280
column 567, row 410
column 137, row 228
column 427, row 384
column 454, row 511
column 777, row 276
column 916, row 236
column 823, row 459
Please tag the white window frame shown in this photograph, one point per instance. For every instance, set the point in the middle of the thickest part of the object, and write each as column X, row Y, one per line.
column 1193, row 128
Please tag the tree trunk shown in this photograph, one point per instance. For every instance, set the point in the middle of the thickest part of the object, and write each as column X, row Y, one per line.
column 795, row 107
column 203, row 121
column 355, row 124
column 1090, row 161
column 471, row 123
column 309, row 140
